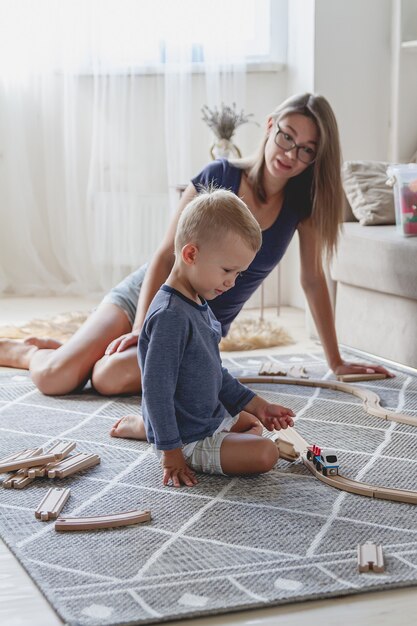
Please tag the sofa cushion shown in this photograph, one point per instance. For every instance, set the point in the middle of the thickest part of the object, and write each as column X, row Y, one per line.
column 377, row 258
column 371, row 200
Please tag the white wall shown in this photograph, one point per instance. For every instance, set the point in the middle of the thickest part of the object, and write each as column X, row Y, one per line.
column 341, row 49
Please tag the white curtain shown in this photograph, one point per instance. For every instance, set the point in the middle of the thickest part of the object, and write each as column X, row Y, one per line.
column 91, row 140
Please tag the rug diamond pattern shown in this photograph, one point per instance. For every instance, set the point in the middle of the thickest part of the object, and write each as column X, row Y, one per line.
column 228, row 543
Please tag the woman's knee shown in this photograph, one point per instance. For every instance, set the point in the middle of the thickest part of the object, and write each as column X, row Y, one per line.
column 113, row 376
column 54, row 379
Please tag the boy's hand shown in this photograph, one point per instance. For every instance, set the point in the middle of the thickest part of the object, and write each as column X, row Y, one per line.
column 176, row 469
column 276, row 417
column 272, row 416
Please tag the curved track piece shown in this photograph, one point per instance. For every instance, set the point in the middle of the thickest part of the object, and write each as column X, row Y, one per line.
column 371, row 401
column 290, row 435
column 102, row 521
column 363, row 489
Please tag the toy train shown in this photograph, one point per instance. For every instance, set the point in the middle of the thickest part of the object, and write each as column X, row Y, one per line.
column 324, row 460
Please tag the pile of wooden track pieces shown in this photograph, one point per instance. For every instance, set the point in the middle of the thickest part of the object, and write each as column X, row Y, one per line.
column 272, row 369
column 57, row 462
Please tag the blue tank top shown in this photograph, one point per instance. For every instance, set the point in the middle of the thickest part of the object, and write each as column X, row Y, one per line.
column 275, row 239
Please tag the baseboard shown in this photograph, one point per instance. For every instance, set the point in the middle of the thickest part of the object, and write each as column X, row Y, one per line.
column 368, row 356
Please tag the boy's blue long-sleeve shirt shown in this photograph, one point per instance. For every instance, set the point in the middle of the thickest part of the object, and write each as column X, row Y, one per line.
column 185, row 390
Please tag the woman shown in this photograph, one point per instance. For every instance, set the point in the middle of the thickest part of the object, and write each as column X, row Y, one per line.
column 292, row 184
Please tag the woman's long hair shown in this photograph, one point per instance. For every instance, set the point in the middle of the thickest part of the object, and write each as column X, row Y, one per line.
column 326, row 191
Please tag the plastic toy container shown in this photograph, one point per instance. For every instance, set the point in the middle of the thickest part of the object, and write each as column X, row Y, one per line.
column 404, row 177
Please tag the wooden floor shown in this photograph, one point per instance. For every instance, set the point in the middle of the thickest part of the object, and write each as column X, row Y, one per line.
column 22, row 604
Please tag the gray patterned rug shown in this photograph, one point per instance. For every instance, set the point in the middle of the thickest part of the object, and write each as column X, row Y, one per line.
column 228, row 543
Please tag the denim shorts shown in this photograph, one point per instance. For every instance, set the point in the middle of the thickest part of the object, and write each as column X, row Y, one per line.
column 125, row 295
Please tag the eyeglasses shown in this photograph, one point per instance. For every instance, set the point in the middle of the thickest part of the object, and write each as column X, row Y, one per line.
column 286, row 142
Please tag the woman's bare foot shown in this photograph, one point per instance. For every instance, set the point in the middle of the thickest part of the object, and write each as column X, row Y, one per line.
column 43, row 343
column 14, row 353
column 129, row 427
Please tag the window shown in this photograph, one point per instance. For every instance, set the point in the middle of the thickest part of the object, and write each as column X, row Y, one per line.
column 146, row 33
column 142, row 34
column 89, row 36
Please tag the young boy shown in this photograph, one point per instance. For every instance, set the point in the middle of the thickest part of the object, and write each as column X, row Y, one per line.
column 188, row 397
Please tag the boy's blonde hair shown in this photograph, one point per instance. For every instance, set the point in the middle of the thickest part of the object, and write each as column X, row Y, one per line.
column 211, row 215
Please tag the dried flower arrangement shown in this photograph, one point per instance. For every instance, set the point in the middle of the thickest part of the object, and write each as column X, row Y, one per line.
column 224, row 121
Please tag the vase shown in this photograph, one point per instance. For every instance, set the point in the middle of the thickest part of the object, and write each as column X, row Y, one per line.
column 224, row 148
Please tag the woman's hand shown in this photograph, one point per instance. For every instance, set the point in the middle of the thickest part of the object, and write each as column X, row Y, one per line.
column 122, row 343
column 361, row 368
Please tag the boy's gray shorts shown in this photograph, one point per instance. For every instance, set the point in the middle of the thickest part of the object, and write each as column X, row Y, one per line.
column 125, row 295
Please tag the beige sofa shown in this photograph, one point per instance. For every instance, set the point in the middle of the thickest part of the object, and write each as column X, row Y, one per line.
column 375, row 272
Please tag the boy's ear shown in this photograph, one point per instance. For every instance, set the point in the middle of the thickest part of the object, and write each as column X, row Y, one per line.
column 189, row 253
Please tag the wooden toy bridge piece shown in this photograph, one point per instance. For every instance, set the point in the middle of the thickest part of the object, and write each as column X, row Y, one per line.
column 370, row 557
column 371, row 401
column 102, row 521
column 286, row 449
column 52, row 504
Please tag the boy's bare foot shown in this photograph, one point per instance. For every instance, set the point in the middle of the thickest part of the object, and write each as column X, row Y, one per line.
column 14, row 353
column 129, row 427
column 43, row 343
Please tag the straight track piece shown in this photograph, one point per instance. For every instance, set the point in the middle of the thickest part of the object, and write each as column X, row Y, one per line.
column 40, row 471
column 18, row 481
column 370, row 557
column 52, row 504
column 23, row 454
column 73, row 464
column 61, row 449
column 102, row 521
column 32, row 461
column 355, row 378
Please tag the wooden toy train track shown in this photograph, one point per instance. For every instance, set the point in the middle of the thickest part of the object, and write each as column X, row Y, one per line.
column 371, row 400
column 371, row 404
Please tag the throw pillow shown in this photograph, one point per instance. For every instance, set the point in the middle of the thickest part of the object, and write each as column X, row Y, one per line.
column 371, row 200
